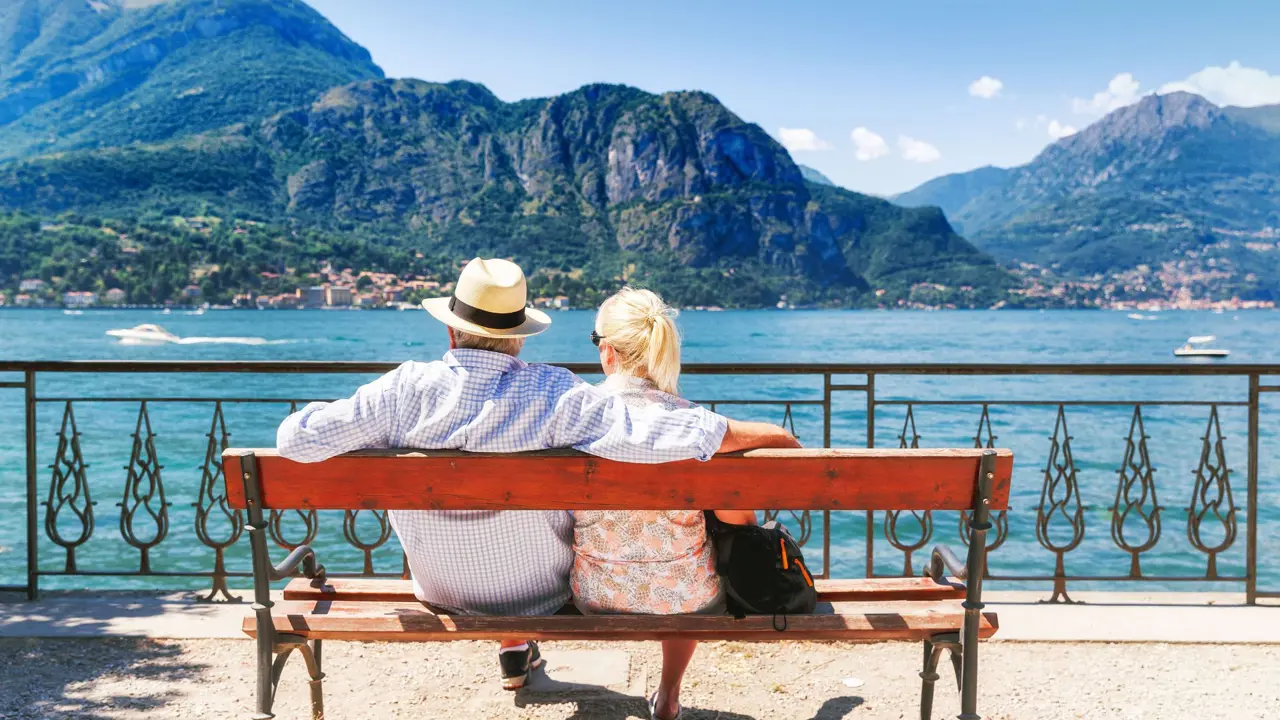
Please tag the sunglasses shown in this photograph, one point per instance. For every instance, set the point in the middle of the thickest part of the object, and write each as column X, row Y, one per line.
column 596, row 338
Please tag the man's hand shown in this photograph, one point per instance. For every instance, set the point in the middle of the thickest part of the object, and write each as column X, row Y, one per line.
column 752, row 435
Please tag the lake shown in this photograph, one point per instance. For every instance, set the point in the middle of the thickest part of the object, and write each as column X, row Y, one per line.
column 1099, row 412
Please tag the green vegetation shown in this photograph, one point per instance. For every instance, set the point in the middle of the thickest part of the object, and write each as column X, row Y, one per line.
column 1171, row 192
column 153, row 259
column 213, row 109
column 79, row 74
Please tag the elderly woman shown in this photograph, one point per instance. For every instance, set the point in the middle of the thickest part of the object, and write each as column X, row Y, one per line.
column 647, row 562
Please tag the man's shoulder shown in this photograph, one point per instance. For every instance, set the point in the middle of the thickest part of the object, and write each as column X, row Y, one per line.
column 551, row 372
column 413, row 372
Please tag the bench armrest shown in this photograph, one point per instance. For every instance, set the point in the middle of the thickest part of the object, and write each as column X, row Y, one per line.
column 302, row 555
column 943, row 561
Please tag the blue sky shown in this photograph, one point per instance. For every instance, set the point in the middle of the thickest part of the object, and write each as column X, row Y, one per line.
column 880, row 97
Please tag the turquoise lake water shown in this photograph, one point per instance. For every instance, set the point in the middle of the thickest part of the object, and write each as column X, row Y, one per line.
column 1098, row 431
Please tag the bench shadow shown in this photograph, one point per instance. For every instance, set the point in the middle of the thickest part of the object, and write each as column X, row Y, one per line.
column 55, row 660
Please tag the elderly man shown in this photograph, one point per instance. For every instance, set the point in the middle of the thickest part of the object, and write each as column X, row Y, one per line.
column 481, row 398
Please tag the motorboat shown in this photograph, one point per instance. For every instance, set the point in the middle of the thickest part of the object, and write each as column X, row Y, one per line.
column 1195, row 347
column 144, row 335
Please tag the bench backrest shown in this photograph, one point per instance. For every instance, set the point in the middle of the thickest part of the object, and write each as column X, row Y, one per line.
column 872, row 479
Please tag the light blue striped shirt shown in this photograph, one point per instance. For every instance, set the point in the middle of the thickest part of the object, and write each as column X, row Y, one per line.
column 494, row 563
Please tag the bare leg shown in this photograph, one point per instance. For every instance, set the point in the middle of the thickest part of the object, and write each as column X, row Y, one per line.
column 676, row 655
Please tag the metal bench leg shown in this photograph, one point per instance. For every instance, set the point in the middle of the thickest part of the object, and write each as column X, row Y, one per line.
column 933, row 649
column 311, row 653
column 928, row 676
column 979, row 524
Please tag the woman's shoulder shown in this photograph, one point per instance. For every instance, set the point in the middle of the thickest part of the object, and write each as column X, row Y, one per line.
column 640, row 392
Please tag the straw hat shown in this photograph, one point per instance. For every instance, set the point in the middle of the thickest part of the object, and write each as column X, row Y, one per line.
column 490, row 301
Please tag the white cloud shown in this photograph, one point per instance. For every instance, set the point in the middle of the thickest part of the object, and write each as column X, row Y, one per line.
column 1019, row 124
column 917, row 150
column 869, row 145
column 1121, row 91
column 985, row 87
column 1057, row 130
column 801, row 140
column 1234, row 84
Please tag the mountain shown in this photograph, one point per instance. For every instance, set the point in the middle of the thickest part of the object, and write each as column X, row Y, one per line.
column 92, row 73
column 813, row 176
column 952, row 192
column 1171, row 182
column 598, row 186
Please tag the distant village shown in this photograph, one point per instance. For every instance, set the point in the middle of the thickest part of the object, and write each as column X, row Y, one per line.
column 334, row 289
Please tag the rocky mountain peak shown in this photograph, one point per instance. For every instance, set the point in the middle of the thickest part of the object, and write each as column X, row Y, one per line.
column 1151, row 119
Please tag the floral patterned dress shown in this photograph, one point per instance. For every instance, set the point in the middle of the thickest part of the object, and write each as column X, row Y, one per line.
column 643, row 562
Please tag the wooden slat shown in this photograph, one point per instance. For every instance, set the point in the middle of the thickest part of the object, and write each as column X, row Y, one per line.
column 399, row 622
column 401, row 591
column 872, row 479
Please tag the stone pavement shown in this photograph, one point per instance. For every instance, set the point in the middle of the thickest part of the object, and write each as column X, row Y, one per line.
column 1120, row 656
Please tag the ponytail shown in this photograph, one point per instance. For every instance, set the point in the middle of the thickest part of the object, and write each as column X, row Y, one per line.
column 641, row 329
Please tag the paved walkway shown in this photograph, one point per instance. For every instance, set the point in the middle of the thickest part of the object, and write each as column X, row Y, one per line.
column 129, row 657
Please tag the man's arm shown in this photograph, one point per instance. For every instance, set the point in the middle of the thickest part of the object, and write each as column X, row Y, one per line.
column 322, row 430
column 588, row 419
column 742, row 435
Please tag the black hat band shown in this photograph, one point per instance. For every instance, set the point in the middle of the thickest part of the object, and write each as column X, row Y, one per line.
column 484, row 318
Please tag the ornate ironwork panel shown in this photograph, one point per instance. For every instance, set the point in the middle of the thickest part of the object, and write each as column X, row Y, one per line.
column 986, row 438
column 69, row 491
column 1211, row 499
column 1060, row 506
column 351, row 530
column 1135, row 516
column 212, row 509
column 921, row 521
column 144, row 502
column 309, row 519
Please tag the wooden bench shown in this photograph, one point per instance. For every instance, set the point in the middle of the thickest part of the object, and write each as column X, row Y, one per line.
column 943, row 609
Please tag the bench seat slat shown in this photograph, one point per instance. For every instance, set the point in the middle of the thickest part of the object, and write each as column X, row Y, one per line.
column 862, row 621
column 401, row 591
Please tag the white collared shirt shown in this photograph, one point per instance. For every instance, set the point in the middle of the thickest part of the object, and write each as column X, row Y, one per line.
column 487, row 562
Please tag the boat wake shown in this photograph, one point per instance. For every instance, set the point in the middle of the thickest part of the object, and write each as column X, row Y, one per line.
column 229, row 341
column 156, row 335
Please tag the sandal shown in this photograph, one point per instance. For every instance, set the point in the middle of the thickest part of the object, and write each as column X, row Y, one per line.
column 653, row 708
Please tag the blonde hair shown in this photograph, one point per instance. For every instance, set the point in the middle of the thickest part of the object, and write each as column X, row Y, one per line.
column 641, row 329
column 505, row 345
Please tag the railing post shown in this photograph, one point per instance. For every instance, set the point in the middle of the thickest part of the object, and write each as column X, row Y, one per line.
column 1251, row 531
column 871, row 442
column 33, row 538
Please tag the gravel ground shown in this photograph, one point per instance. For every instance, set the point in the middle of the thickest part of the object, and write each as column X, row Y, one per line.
column 124, row 678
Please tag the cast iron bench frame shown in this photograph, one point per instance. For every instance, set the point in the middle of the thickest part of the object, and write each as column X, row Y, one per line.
column 861, row 610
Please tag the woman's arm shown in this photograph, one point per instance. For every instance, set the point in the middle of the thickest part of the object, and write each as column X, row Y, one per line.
column 737, row 517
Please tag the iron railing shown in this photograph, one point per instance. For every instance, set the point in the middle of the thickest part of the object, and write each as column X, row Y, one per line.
column 61, row 515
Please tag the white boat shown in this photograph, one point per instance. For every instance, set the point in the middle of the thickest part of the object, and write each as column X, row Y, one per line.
column 1195, row 348
column 144, row 335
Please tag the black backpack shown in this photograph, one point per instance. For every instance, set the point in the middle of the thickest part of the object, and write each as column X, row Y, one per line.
column 762, row 568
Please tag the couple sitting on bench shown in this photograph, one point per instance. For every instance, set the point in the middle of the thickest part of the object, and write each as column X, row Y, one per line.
column 482, row 398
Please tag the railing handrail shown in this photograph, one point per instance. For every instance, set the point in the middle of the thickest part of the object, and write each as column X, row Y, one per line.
column 303, row 367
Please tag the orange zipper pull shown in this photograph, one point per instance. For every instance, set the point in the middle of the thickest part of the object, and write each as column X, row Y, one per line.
column 804, row 571
column 783, row 544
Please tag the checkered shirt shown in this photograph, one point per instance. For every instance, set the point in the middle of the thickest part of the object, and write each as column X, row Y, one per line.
column 493, row 562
